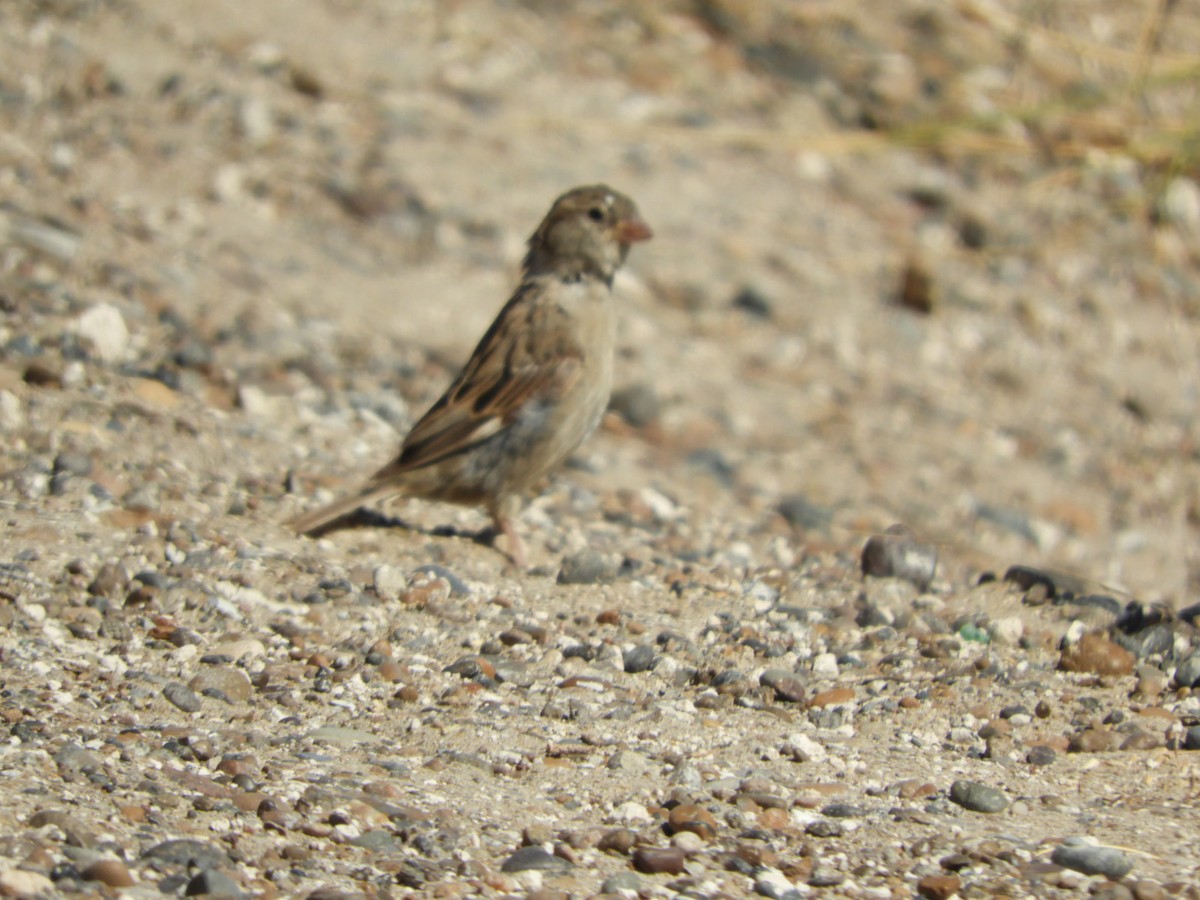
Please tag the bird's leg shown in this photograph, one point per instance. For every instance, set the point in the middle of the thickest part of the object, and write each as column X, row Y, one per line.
column 503, row 514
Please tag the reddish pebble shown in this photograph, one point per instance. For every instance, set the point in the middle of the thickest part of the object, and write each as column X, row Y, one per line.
column 390, row 670
column 832, row 697
column 619, row 840
column 915, row 789
column 1094, row 740
column 939, row 887
column 1096, row 653
column 112, row 872
column 658, row 860
column 774, row 819
column 694, row 818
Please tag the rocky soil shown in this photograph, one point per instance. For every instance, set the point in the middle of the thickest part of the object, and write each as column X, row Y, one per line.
column 924, row 264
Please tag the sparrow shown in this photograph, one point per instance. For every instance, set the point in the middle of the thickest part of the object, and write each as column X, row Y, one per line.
column 536, row 385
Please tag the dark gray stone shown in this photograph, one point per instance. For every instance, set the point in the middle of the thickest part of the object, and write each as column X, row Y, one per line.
column 978, row 797
column 1091, row 859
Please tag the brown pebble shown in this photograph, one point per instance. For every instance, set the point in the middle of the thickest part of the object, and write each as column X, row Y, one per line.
column 915, row 789
column 609, row 617
column 831, row 697
column 111, row 872
column 916, row 287
column 909, row 702
column 619, row 840
column 408, row 694
column 248, row 801
column 1043, row 709
column 239, row 765
column 390, row 670
column 1093, row 740
column 694, row 818
column 939, row 887
column 1096, row 653
column 774, row 819
column 658, row 860
column 756, row 854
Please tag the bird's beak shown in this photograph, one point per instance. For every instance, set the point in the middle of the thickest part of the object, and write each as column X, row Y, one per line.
column 630, row 231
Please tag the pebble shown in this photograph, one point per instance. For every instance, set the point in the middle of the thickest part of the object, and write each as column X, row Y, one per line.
column 588, row 566
column 111, row 872
column 770, row 882
column 659, row 860
column 184, row 852
column 390, row 582
column 825, row 828
column 638, row 404
column 12, row 411
column 433, row 572
column 803, row 748
column 800, row 512
column 622, row 882
column 752, row 301
column 619, row 840
column 896, row 554
column 787, row 685
column 24, row 884
column 1097, row 654
column 1187, row 673
column 1084, row 856
column 1191, row 740
column 833, row 697
column 939, row 887
column 536, row 859
column 213, row 882
column 978, row 797
column 694, row 818
column 825, row 665
column 1040, row 755
column 223, row 681
column 628, row 761
column 640, row 658
column 182, row 696
column 1180, row 205
column 73, row 758
column 103, row 329
column 1093, row 740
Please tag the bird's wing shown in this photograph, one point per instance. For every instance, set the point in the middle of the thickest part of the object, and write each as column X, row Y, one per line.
column 529, row 353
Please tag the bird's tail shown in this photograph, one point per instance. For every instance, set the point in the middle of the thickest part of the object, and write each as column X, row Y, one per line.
column 317, row 519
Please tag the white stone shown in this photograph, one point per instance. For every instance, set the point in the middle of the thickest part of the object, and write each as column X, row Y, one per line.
column 102, row 327
column 12, row 413
column 390, row 582
column 630, row 812
column 1007, row 631
column 825, row 665
column 802, row 747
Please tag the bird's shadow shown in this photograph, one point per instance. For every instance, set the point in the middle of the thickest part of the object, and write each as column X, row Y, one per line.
column 369, row 518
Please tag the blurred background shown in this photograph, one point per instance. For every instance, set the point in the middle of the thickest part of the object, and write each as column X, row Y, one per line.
column 929, row 261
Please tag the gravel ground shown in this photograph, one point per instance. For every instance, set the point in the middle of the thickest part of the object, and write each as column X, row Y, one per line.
column 877, row 580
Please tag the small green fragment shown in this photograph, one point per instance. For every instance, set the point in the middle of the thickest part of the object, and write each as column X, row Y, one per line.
column 975, row 634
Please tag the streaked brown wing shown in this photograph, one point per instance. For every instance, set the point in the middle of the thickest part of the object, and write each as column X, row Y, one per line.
column 528, row 353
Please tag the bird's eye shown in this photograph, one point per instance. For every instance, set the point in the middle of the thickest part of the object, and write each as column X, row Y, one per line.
column 596, row 214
